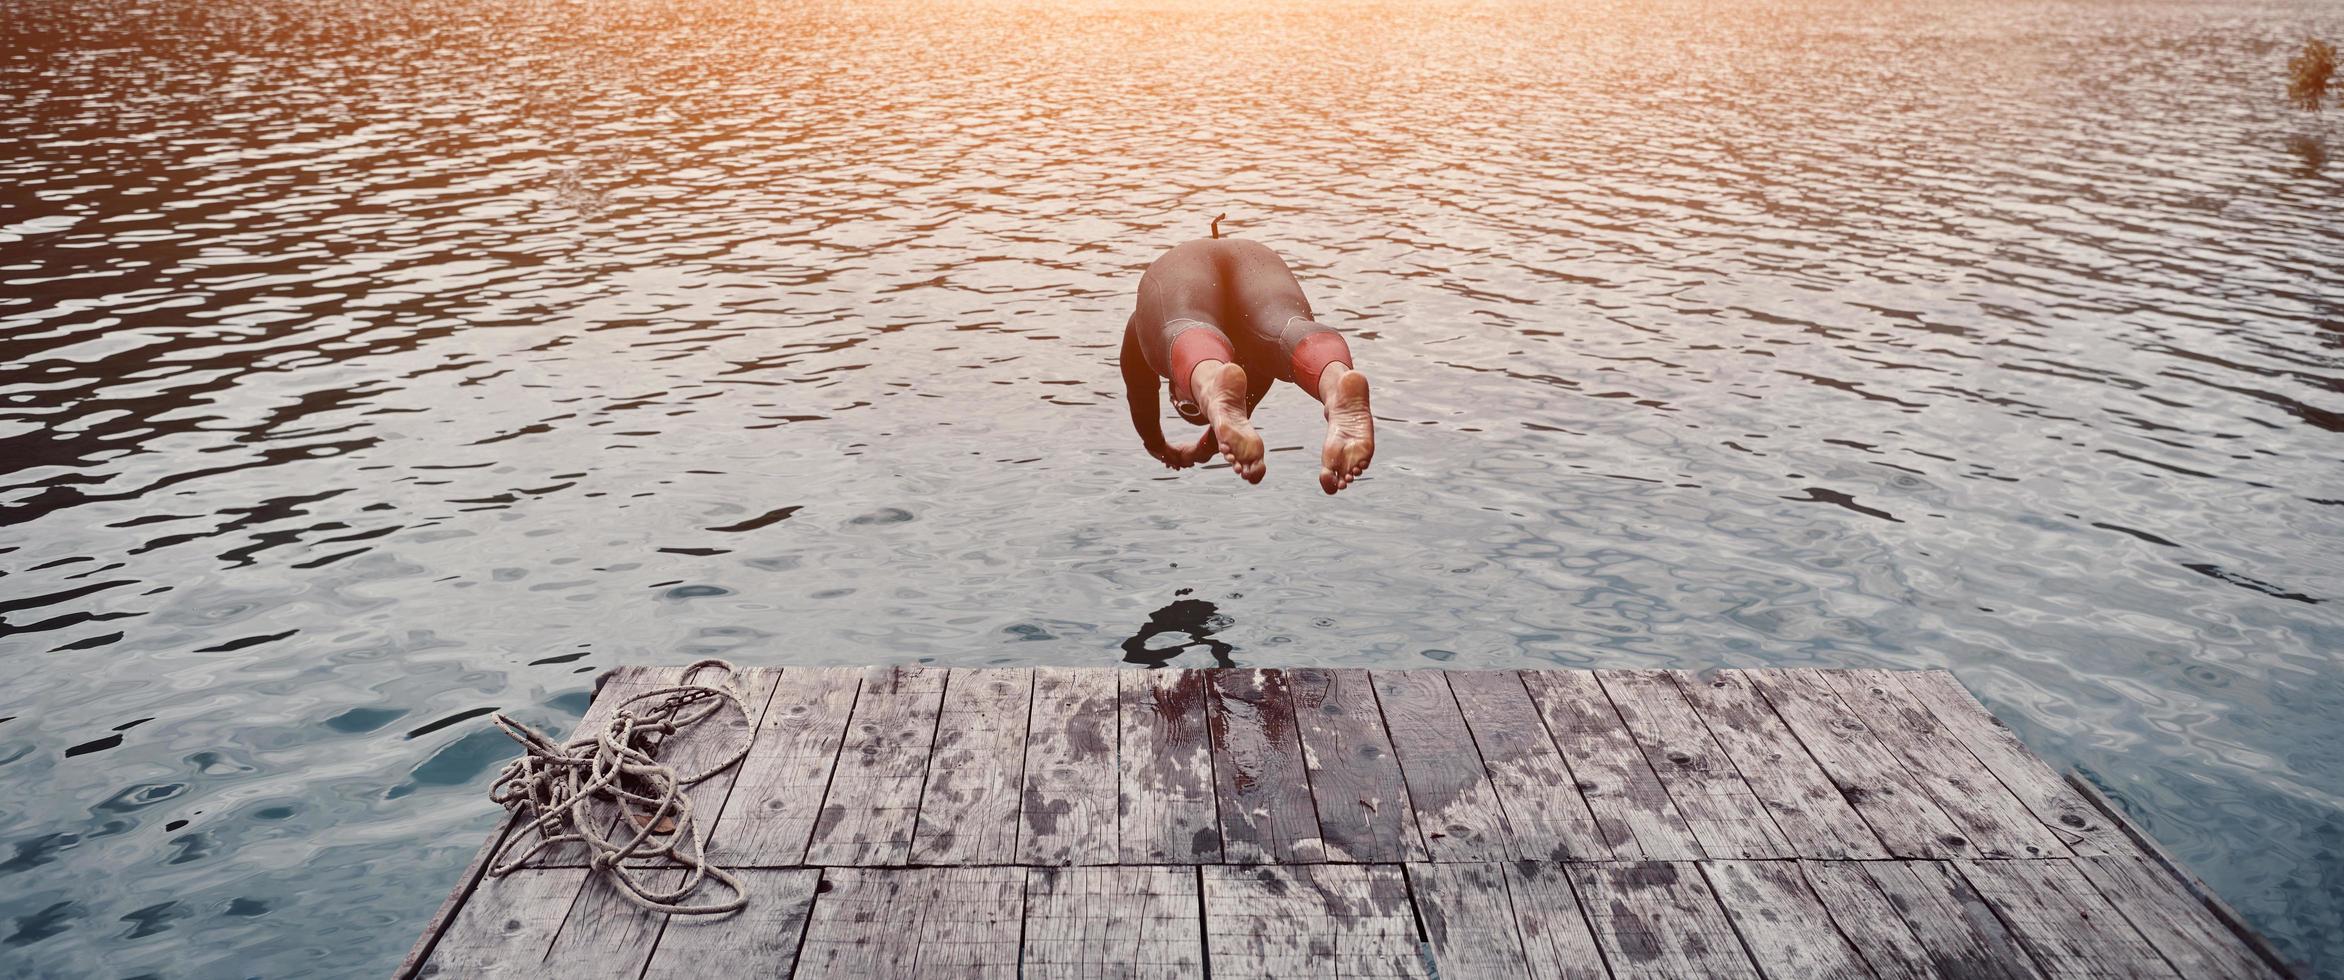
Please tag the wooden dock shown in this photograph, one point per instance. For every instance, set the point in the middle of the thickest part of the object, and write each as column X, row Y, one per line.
column 925, row 822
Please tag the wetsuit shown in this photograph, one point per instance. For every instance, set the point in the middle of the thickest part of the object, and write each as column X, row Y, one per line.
column 1226, row 299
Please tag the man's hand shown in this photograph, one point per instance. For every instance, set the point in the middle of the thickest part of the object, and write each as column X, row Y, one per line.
column 1183, row 456
column 1180, row 457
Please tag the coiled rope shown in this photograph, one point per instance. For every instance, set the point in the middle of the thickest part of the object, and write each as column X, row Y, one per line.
column 567, row 792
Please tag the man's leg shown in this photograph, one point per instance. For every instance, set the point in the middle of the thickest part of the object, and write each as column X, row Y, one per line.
column 1310, row 354
column 1322, row 366
column 1209, row 384
column 1179, row 300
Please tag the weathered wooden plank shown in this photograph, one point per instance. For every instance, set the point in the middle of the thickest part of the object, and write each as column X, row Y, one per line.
column 1267, row 814
column 760, row 940
column 1555, row 938
column 1806, row 805
column 452, row 905
column 972, row 926
column 2062, row 921
column 915, row 922
column 608, row 936
column 1963, row 936
column 1869, row 920
column 707, row 744
column 504, row 929
column 1867, row 773
column 1783, row 926
column 1468, row 918
column 2147, row 846
column 1333, row 920
column 1169, row 814
column 1996, row 822
column 976, row 774
column 770, row 816
column 1632, row 810
column 2173, row 920
column 874, row 798
column 1659, row 919
column 865, row 922
column 1709, row 792
column 1455, row 804
column 1577, row 802
column 1127, row 923
column 2078, row 823
column 1067, row 813
column 1355, row 781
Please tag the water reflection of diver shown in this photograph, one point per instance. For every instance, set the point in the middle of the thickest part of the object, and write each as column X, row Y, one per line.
column 1195, row 617
column 1222, row 319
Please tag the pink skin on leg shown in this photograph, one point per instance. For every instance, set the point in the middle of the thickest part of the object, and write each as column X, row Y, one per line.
column 1350, row 428
column 1219, row 387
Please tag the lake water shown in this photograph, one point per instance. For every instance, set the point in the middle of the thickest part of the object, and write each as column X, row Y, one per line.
column 370, row 366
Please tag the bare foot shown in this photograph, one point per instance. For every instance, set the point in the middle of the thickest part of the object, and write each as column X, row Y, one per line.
column 1220, row 390
column 1350, row 429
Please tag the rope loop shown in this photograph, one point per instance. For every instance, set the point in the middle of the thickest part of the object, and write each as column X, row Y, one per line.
column 607, row 791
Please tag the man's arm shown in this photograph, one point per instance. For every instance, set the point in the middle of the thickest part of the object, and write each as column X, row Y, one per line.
column 1140, row 393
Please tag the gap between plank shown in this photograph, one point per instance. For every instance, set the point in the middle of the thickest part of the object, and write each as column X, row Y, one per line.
column 1206, row 702
column 911, row 839
column 1717, row 897
column 830, row 779
column 1204, row 927
column 1386, row 723
column 1799, row 867
column 1302, row 755
column 1818, row 761
column 806, row 928
column 1118, row 842
column 2018, row 940
column 2121, row 916
column 1586, row 918
column 1629, row 731
column 1955, row 735
column 1511, row 845
column 1424, row 953
column 1025, row 768
column 1790, row 847
column 580, row 895
column 756, row 727
column 1538, row 712
column 1025, row 882
column 2231, row 921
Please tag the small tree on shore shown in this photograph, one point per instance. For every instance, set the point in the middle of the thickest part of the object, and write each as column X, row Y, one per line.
column 2309, row 74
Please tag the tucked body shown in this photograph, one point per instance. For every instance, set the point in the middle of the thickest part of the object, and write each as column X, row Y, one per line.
column 1220, row 321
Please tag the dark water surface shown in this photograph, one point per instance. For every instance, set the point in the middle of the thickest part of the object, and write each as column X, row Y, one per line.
column 373, row 365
